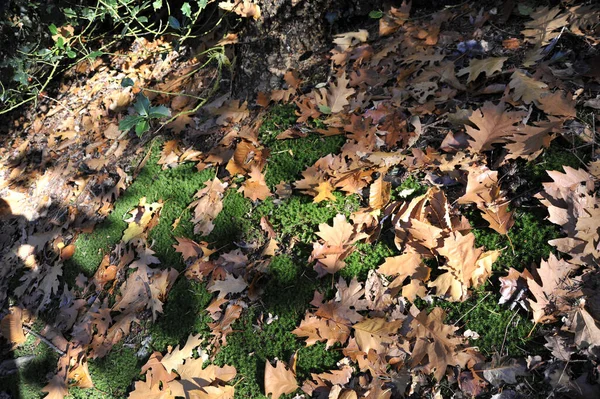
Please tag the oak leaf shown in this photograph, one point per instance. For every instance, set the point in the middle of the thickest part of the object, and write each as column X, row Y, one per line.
column 434, row 341
column 232, row 112
column 338, row 94
column 230, row 285
column 208, row 205
column 488, row 66
column 551, row 289
column 338, row 244
column 142, row 219
column 501, row 371
column 587, row 333
column 526, row 88
column 324, row 192
column 169, row 156
column 11, row 327
column 466, row 267
column 255, row 188
column 375, row 333
column 279, row 380
column 494, row 125
column 190, row 249
column 544, row 25
column 379, row 192
column 557, row 105
column 174, row 359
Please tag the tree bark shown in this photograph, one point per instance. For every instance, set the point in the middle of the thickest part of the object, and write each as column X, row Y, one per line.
column 293, row 34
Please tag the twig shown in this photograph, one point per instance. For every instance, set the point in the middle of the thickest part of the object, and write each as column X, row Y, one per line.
column 470, row 310
column 506, row 332
column 46, row 341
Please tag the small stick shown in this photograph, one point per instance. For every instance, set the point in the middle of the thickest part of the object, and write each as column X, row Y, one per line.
column 46, row 341
column 506, row 332
column 470, row 310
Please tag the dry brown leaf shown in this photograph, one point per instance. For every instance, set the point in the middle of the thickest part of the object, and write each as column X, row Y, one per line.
column 174, row 359
column 494, row 125
column 467, row 267
column 544, row 25
column 255, row 188
column 279, row 380
column 380, row 192
column 169, row 156
column 488, row 66
column 11, row 327
column 230, row 285
column 526, row 88
column 243, row 8
column 338, row 244
column 324, row 192
column 557, row 105
column 208, row 206
column 375, row 333
column 434, row 341
column 551, row 289
column 232, row 112
column 337, row 96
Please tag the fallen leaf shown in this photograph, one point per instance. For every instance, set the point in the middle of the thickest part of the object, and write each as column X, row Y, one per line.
column 279, row 380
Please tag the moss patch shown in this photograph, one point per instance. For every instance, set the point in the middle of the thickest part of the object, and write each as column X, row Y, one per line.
column 499, row 328
column 176, row 187
column 183, row 315
column 291, row 156
column 364, row 258
column 299, row 217
column 529, row 237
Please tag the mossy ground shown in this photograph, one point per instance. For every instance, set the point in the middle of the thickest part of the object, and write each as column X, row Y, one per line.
column 291, row 282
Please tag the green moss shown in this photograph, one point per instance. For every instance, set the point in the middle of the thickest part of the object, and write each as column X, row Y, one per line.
column 291, row 156
column 233, row 222
column 29, row 381
column 183, row 315
column 411, row 182
column 176, row 187
column 299, row 217
column 112, row 375
column 278, row 119
column 554, row 158
column 529, row 237
column 499, row 328
column 364, row 258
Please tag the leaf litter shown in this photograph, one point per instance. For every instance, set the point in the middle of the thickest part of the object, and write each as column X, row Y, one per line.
column 411, row 95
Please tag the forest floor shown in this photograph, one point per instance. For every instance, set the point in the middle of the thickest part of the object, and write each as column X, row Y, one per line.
column 422, row 222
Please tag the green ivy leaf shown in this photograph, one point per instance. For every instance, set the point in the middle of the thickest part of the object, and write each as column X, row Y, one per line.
column 142, row 105
column 71, row 54
column 186, row 10
column 324, row 109
column 127, row 82
column 143, row 19
column 174, row 23
column 53, row 29
column 376, row 14
column 130, row 121
column 159, row 112
column 95, row 54
column 157, row 4
column 21, row 77
column 142, row 127
column 202, row 4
